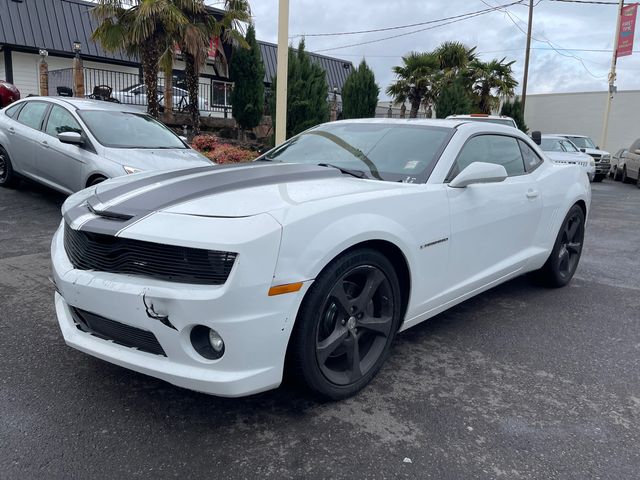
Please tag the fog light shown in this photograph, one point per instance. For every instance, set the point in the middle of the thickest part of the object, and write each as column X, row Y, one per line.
column 216, row 341
column 207, row 342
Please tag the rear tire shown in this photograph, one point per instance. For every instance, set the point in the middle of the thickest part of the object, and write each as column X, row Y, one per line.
column 598, row 178
column 565, row 256
column 8, row 178
column 346, row 324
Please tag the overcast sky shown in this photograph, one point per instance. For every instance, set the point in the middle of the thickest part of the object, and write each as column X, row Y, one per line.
column 565, row 25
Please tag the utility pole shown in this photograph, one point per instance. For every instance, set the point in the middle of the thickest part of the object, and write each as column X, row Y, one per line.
column 526, row 58
column 612, row 79
column 283, row 72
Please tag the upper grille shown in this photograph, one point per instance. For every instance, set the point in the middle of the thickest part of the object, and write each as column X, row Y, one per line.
column 105, row 253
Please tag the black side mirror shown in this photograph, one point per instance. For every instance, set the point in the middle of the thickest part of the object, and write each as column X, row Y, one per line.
column 536, row 136
column 597, row 147
column 583, row 150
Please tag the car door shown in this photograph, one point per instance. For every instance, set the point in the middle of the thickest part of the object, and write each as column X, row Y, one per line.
column 61, row 163
column 24, row 134
column 493, row 225
column 633, row 160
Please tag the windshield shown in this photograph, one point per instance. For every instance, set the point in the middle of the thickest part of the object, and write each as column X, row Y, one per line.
column 551, row 145
column 582, row 142
column 129, row 130
column 392, row 152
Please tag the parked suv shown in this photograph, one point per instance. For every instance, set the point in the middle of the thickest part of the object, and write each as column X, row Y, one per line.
column 630, row 162
column 586, row 145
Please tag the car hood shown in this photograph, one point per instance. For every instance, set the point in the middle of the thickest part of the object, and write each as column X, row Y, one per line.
column 568, row 157
column 214, row 191
column 156, row 159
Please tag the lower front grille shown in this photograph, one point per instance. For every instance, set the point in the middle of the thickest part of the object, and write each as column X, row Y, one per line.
column 117, row 332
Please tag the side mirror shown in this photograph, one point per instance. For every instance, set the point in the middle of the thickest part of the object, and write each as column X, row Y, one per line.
column 583, row 150
column 72, row 138
column 637, row 151
column 479, row 172
column 536, row 136
column 597, row 147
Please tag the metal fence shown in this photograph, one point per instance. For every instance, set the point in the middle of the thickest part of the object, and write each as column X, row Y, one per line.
column 214, row 97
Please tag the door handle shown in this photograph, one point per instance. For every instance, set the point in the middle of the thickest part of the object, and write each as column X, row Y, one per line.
column 532, row 194
column 12, row 130
column 45, row 144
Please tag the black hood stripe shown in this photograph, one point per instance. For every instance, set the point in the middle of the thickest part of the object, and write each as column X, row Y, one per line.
column 135, row 208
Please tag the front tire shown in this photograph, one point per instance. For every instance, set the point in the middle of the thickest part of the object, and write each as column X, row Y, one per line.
column 8, row 177
column 616, row 174
column 624, row 177
column 565, row 256
column 346, row 324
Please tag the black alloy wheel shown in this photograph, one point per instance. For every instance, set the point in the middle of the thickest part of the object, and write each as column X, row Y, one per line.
column 7, row 175
column 565, row 256
column 347, row 323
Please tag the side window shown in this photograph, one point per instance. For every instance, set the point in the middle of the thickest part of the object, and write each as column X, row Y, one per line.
column 531, row 158
column 498, row 149
column 13, row 111
column 32, row 113
column 60, row 120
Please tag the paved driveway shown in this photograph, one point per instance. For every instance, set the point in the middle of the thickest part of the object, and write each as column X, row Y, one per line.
column 520, row 382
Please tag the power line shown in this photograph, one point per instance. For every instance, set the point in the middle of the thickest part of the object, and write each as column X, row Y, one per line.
column 484, row 12
column 556, row 48
column 592, row 2
column 399, row 27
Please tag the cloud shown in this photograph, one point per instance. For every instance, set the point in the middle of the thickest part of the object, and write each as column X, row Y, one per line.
column 566, row 25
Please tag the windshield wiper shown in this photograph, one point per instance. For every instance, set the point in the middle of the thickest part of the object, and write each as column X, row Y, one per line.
column 348, row 171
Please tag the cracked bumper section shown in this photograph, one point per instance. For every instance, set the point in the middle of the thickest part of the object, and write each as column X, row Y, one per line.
column 254, row 326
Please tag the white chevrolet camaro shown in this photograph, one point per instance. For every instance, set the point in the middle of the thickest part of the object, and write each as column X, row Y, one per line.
column 312, row 258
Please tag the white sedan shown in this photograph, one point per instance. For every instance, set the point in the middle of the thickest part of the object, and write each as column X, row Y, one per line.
column 312, row 258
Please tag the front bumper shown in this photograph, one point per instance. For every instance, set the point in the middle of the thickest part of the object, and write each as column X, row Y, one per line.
column 602, row 168
column 254, row 326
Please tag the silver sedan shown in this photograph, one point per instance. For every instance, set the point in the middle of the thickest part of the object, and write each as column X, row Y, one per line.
column 69, row 144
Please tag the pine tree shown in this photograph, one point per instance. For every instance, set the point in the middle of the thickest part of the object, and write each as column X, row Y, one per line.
column 453, row 99
column 247, row 73
column 514, row 110
column 360, row 93
column 307, row 93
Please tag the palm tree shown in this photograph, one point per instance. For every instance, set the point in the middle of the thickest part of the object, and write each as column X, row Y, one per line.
column 490, row 81
column 195, row 38
column 416, row 80
column 145, row 30
column 454, row 58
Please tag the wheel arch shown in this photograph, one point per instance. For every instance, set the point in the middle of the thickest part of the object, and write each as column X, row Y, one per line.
column 94, row 176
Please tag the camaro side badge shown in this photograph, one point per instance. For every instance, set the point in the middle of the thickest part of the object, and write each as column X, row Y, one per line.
column 151, row 313
column 431, row 244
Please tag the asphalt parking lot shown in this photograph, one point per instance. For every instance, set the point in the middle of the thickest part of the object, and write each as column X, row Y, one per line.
column 520, row 382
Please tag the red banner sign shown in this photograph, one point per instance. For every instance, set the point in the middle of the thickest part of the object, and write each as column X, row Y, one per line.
column 627, row 30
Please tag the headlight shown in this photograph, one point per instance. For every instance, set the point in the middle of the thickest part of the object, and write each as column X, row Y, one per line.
column 131, row 170
column 606, row 157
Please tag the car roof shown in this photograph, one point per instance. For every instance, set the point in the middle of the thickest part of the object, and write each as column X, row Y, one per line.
column 570, row 135
column 554, row 137
column 83, row 103
column 480, row 115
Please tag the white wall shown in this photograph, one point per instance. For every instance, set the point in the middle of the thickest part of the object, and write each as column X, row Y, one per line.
column 583, row 113
column 25, row 70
